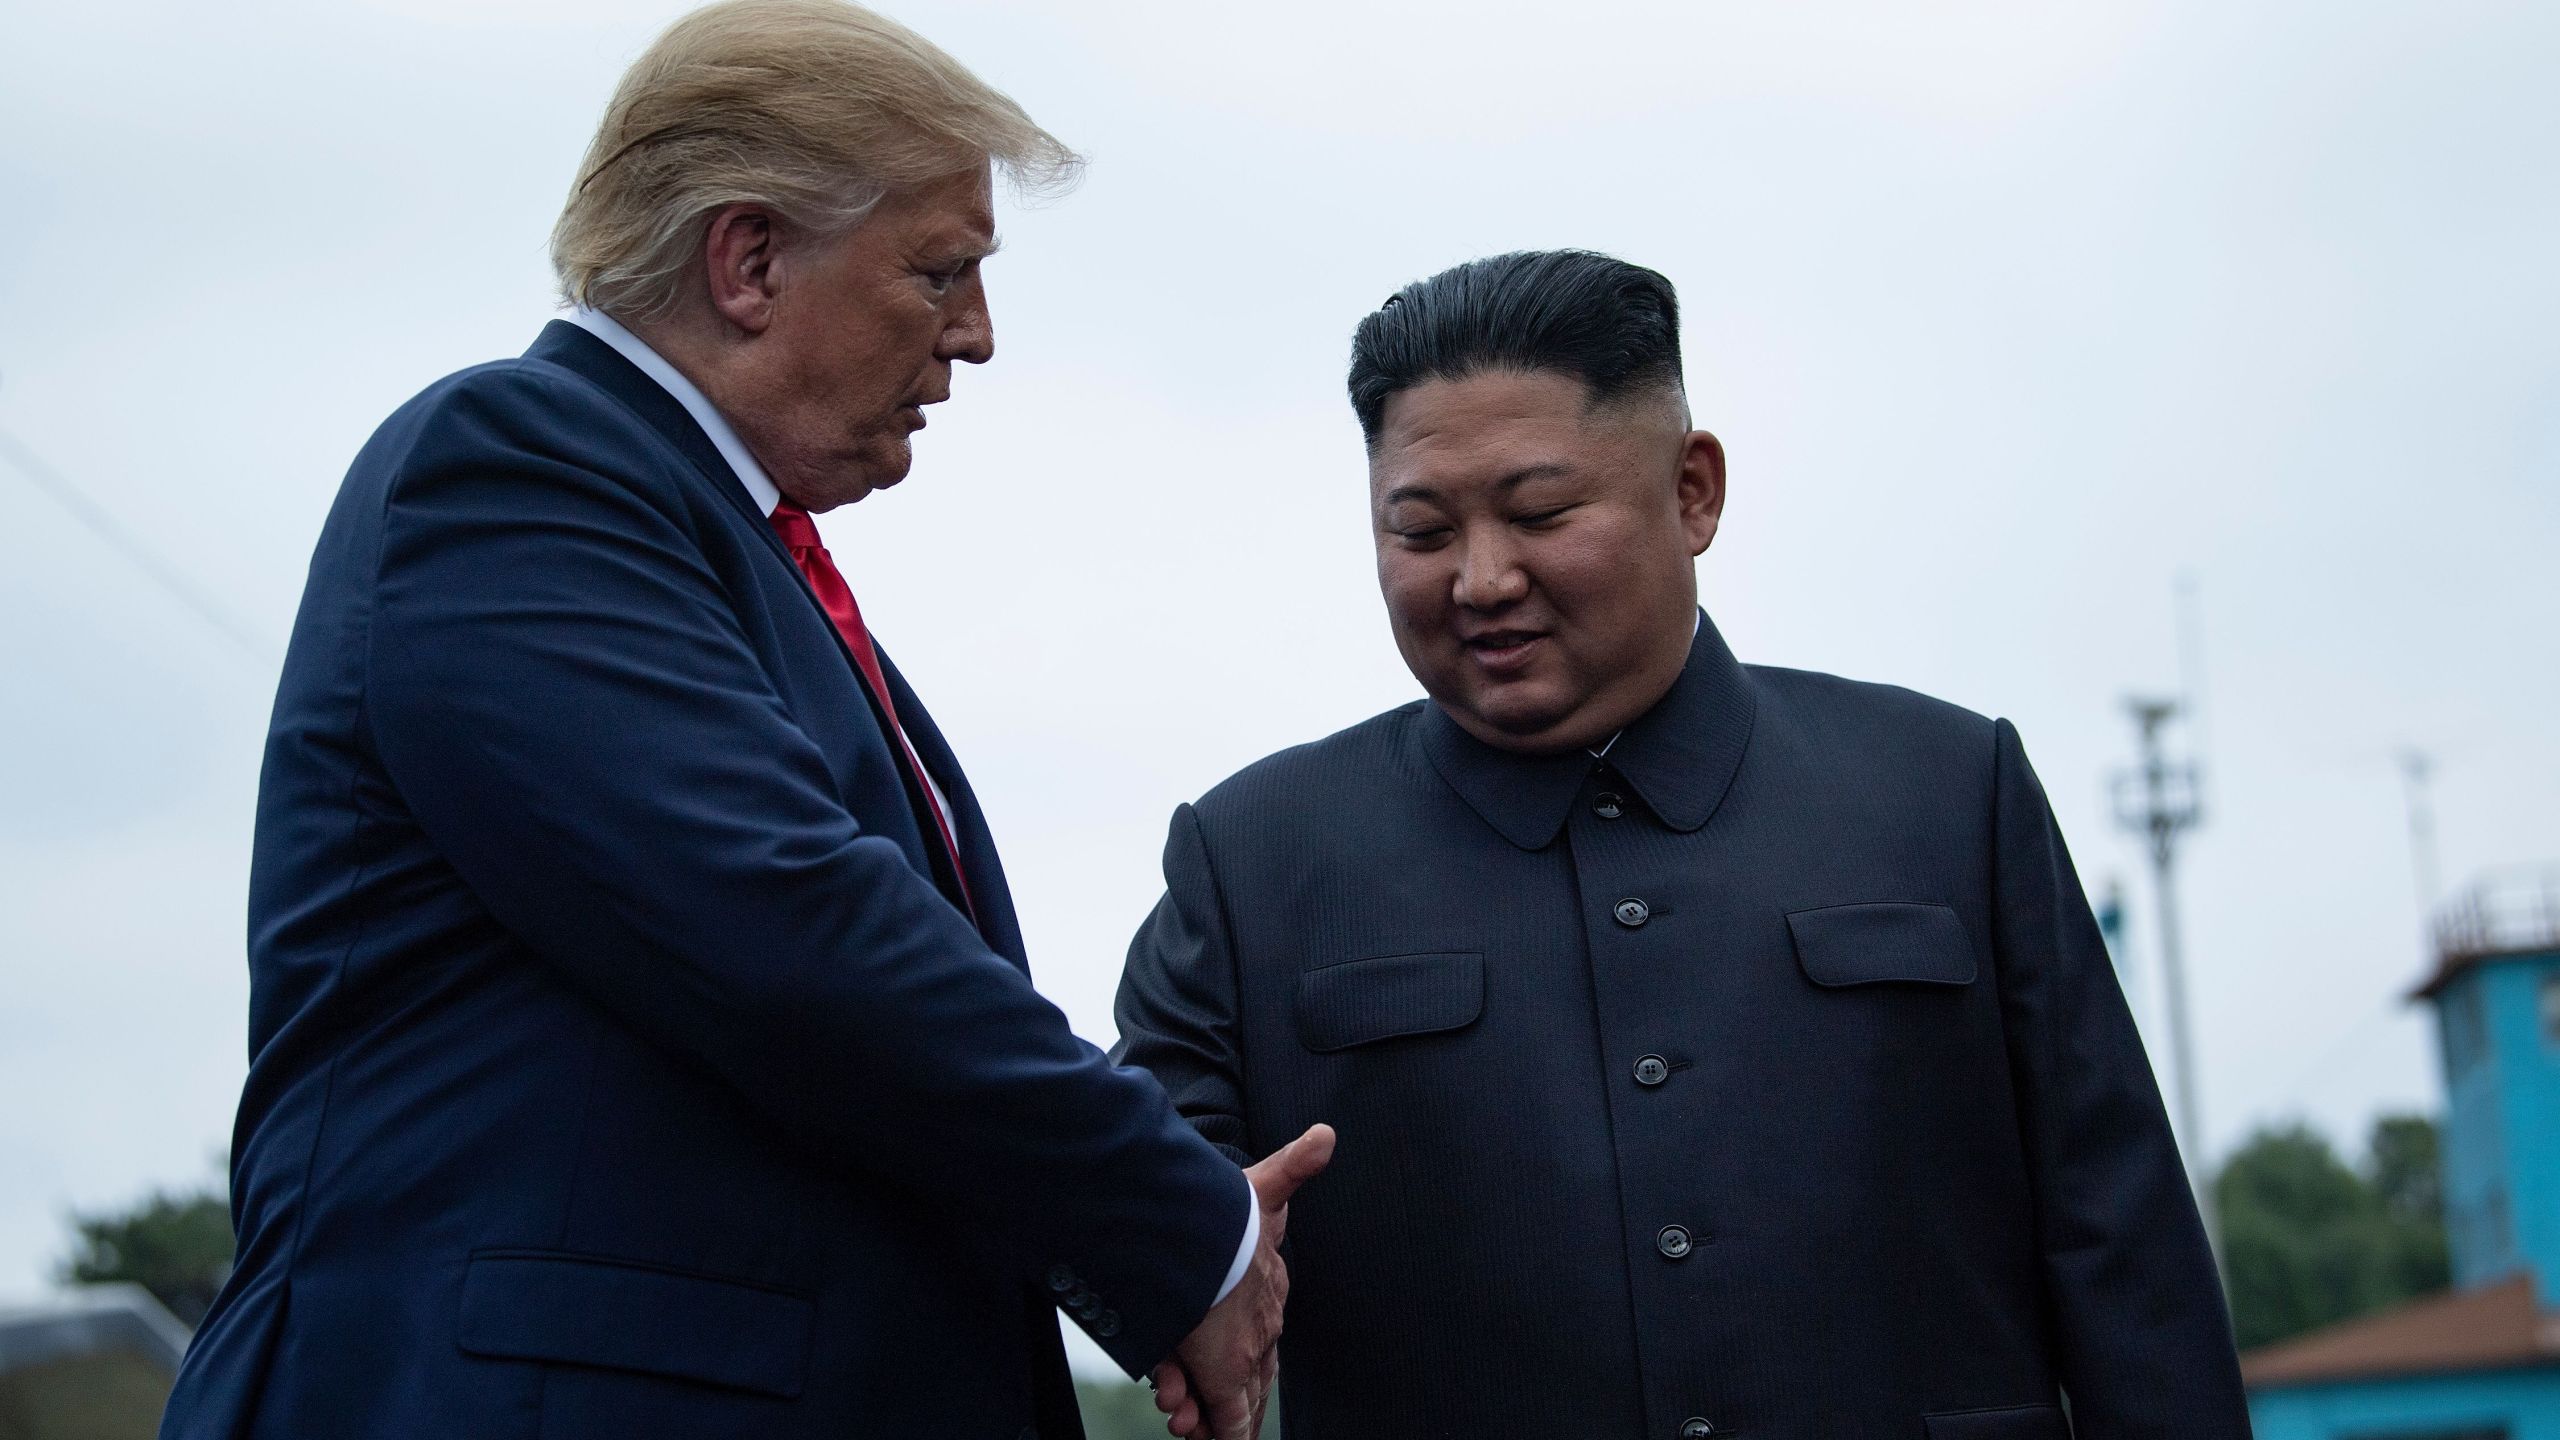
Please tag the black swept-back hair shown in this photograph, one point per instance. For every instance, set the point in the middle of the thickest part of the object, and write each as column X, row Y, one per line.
column 1612, row 325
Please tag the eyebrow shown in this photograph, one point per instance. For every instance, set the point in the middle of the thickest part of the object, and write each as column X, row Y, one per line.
column 960, row 252
column 1514, row 480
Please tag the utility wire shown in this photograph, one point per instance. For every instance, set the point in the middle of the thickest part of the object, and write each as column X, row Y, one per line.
column 58, row 488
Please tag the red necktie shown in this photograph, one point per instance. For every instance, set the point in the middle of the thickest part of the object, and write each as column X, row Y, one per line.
column 800, row 536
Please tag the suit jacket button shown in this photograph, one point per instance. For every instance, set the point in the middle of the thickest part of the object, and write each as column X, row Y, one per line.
column 1607, row 806
column 1633, row 913
column 1694, row 1428
column 1652, row 1070
column 1061, row 1279
column 1673, row 1242
column 1108, row 1324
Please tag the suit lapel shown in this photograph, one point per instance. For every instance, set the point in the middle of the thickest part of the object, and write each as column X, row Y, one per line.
column 988, row 893
column 574, row 349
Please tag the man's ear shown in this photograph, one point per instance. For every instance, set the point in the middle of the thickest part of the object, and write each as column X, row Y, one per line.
column 738, row 258
column 1701, row 488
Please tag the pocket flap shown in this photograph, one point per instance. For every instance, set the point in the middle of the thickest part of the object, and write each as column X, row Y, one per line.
column 2011, row 1422
column 1882, row 943
column 583, row 1310
column 1358, row 1001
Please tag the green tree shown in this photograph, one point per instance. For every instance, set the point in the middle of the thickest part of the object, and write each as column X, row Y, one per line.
column 2308, row 1241
column 2404, row 1164
column 175, row 1245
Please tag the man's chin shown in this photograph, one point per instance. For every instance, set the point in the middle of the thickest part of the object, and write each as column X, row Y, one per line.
column 883, row 471
column 844, row 486
column 1517, row 724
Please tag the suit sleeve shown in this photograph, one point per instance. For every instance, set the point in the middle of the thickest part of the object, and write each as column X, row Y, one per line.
column 563, row 695
column 1178, row 1009
column 2144, row 1340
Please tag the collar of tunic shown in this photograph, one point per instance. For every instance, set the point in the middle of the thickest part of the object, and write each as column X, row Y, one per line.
column 1678, row 757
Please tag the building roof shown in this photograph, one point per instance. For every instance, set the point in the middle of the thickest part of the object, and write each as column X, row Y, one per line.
column 2494, row 1327
column 2510, row 913
column 89, row 1319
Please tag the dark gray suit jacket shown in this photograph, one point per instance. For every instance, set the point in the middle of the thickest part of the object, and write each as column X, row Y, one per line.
column 1766, row 1078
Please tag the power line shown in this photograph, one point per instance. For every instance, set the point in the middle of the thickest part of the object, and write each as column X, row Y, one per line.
column 58, row 488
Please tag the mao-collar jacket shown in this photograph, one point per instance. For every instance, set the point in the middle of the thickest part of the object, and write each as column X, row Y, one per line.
column 1767, row 1077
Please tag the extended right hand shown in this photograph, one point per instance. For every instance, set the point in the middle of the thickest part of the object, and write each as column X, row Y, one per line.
column 1220, row 1376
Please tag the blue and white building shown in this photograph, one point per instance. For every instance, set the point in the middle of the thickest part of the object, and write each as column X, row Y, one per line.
column 2482, row 1360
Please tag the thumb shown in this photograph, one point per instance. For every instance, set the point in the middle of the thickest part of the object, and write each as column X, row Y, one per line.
column 1301, row 1160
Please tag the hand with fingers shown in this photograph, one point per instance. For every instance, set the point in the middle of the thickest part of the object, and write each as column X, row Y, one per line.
column 1219, row 1378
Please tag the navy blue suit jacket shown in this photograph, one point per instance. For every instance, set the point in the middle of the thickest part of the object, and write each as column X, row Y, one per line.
column 618, row 1067
column 1767, row 1077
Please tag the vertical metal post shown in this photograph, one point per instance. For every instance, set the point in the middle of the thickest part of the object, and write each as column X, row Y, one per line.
column 2164, row 804
column 2417, row 768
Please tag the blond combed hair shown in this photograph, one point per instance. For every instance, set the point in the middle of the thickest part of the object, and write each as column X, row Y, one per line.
column 815, row 109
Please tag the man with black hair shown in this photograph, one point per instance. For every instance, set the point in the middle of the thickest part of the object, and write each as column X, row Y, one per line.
column 1717, row 1049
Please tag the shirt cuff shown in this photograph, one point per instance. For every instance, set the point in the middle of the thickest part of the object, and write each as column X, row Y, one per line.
column 1244, row 1252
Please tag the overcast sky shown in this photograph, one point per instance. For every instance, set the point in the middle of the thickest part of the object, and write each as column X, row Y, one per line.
column 2008, row 314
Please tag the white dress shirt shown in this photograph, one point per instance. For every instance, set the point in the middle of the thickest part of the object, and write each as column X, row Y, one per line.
column 761, row 488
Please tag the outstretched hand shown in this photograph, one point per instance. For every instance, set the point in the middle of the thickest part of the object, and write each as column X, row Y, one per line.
column 1219, row 1379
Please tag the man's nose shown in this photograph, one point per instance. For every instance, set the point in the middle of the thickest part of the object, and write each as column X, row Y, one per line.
column 1489, row 576
column 971, row 334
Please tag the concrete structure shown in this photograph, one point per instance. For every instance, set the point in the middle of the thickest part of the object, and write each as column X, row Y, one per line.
column 2482, row 1360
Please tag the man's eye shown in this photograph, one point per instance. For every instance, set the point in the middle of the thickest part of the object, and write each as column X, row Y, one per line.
column 1425, row 537
column 941, row 280
column 1540, row 519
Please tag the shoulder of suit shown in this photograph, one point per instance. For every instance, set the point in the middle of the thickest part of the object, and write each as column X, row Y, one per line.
column 500, row 391
column 518, row 406
column 1812, row 690
column 1886, row 724
column 1309, row 775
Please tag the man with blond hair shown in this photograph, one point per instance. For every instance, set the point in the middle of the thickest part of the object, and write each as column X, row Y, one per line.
column 641, row 1039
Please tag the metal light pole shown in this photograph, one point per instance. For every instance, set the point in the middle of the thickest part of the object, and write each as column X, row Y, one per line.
column 2160, row 800
column 2417, row 768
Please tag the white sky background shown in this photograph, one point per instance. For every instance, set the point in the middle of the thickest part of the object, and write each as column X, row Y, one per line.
column 2008, row 315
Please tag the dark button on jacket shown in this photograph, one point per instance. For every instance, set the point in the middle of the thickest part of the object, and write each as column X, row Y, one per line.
column 1914, row 1114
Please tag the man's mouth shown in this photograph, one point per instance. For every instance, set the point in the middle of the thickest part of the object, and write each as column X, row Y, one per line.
column 913, row 411
column 1502, row 648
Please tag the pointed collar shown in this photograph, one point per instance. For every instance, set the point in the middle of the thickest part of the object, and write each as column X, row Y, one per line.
column 1679, row 757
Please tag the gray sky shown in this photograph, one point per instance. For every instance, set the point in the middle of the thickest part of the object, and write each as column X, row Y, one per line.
column 2008, row 314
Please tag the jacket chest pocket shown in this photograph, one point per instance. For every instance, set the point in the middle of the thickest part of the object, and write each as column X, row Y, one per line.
column 1885, row 943
column 2011, row 1422
column 1361, row 1002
